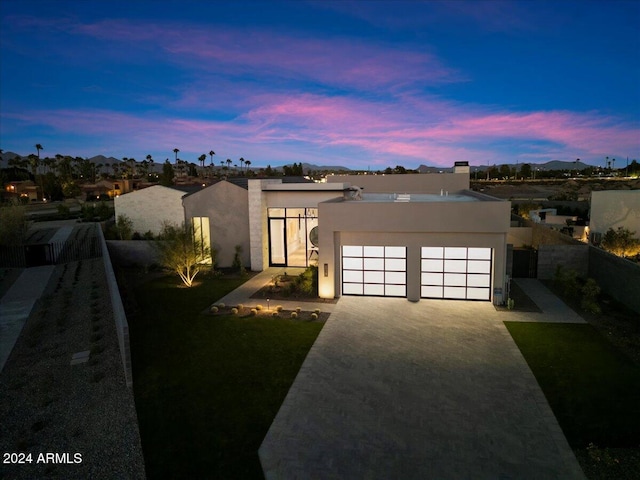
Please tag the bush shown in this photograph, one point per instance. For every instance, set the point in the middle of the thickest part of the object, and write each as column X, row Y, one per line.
column 274, row 314
column 254, row 312
column 240, row 307
column 279, row 308
column 213, row 309
column 13, row 225
column 567, row 281
column 314, row 316
column 294, row 314
column 590, row 291
column 259, row 307
column 317, row 311
column 234, row 311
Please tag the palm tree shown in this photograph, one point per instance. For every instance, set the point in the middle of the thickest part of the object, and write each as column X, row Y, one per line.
column 246, row 164
column 176, row 150
column 202, row 158
column 211, row 154
column 241, row 163
column 229, row 162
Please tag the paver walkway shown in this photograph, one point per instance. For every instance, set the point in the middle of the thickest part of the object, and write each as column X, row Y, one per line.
column 434, row 389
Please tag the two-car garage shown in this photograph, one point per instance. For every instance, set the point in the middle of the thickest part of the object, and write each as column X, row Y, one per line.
column 462, row 273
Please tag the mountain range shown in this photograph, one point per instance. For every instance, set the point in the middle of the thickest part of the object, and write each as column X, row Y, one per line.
column 307, row 167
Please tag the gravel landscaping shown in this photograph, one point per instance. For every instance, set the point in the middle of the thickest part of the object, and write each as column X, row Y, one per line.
column 48, row 404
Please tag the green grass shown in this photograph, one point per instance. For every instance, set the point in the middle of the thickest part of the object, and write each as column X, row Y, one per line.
column 207, row 388
column 593, row 390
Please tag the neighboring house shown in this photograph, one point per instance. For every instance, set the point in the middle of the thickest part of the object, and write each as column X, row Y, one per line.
column 219, row 217
column 150, row 207
column 613, row 209
column 24, row 189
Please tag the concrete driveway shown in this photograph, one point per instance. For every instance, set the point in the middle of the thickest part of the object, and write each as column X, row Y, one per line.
column 434, row 389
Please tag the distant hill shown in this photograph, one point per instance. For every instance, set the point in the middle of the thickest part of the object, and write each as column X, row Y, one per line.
column 552, row 165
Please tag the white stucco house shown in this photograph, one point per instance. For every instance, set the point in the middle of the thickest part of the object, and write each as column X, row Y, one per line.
column 613, row 209
column 411, row 236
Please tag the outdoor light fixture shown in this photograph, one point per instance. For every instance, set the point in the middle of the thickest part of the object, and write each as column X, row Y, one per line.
column 326, row 269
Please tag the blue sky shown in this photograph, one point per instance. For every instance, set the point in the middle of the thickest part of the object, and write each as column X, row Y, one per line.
column 360, row 84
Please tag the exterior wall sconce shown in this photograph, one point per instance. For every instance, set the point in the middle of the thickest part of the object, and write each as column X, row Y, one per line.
column 326, row 269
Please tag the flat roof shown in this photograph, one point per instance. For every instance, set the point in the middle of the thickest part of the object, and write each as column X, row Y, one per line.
column 305, row 187
column 417, row 197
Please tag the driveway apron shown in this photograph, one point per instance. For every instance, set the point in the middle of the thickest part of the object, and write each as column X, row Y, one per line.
column 433, row 389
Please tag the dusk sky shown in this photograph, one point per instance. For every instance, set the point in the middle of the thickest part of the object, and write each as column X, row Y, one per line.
column 359, row 84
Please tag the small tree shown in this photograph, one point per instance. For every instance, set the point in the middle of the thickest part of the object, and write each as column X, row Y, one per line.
column 13, row 225
column 621, row 242
column 180, row 252
column 125, row 227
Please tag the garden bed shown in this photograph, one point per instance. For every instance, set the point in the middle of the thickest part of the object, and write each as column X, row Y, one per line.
column 272, row 310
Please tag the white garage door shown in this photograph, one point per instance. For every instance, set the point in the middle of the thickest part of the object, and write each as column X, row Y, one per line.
column 374, row 270
column 456, row 273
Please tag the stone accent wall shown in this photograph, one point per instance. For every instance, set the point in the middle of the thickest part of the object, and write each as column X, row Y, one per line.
column 574, row 257
column 258, row 233
column 617, row 277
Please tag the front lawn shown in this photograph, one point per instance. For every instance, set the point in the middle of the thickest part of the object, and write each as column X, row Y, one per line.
column 592, row 388
column 208, row 387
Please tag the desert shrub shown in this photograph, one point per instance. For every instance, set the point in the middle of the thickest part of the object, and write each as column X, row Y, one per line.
column 254, row 312
column 279, row 308
column 314, row 316
column 13, row 225
column 221, row 305
column 136, row 236
column 590, row 291
column 240, row 307
column 274, row 314
column 234, row 311
column 125, row 227
column 298, row 309
column 317, row 311
column 259, row 307
column 567, row 281
column 213, row 309
column 237, row 260
column 148, row 235
column 65, row 212
column 294, row 314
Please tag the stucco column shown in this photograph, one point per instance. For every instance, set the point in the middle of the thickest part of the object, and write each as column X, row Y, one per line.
column 413, row 273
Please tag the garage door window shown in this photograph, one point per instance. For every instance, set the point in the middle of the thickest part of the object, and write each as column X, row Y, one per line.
column 456, row 273
column 374, row 270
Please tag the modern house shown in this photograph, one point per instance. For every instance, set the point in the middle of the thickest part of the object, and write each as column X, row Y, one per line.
column 412, row 236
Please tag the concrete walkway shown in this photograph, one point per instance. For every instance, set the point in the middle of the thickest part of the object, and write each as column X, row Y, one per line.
column 434, row 389
column 553, row 309
column 16, row 306
column 17, row 303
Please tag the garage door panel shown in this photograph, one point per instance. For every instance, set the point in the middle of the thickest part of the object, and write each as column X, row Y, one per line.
column 352, row 288
column 373, row 264
column 396, row 278
column 352, row 276
column 395, row 264
column 455, row 292
column 478, row 293
column 351, row 251
column 479, row 266
column 352, row 263
column 455, row 279
column 478, row 281
column 431, row 291
column 373, row 251
column 373, row 277
column 432, row 278
column 395, row 290
column 456, row 273
column 455, row 266
column 430, row 265
column 373, row 289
